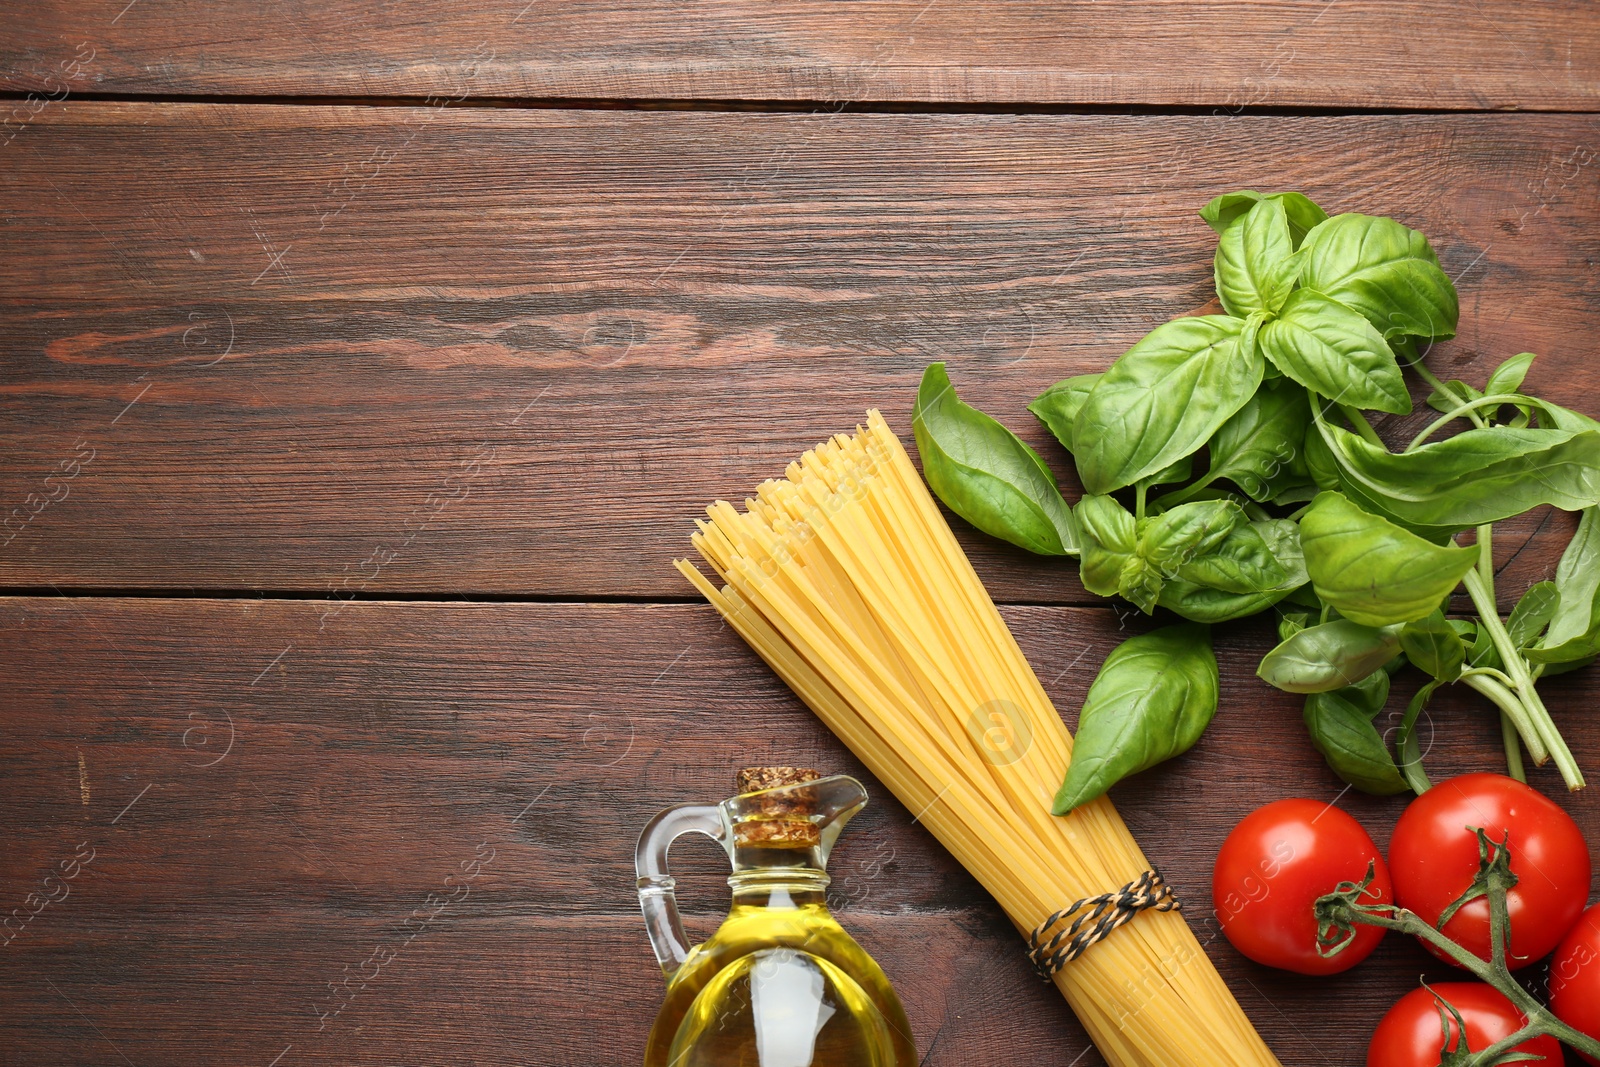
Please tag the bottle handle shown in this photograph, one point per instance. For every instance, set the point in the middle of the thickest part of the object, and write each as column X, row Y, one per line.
column 656, row 897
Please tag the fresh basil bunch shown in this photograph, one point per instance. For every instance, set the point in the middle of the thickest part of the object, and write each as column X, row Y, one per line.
column 1297, row 501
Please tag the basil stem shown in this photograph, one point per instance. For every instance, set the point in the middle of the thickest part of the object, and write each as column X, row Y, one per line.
column 1492, row 400
column 1513, row 747
column 1543, row 728
column 1444, row 390
column 1502, row 696
column 1508, row 729
column 1363, row 427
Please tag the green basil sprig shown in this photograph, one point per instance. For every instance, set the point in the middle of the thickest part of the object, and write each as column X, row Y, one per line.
column 987, row 474
column 1300, row 502
column 1153, row 698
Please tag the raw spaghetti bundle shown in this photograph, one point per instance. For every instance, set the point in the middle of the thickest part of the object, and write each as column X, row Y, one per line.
column 847, row 581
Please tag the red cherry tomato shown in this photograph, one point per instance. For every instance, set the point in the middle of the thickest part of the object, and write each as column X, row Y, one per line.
column 1434, row 858
column 1411, row 1034
column 1575, row 977
column 1273, row 867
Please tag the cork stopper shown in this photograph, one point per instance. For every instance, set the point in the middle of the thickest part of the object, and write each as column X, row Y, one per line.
column 754, row 779
column 778, row 821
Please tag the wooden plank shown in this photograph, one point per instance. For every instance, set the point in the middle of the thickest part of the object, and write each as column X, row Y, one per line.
column 269, row 793
column 1229, row 54
column 410, row 350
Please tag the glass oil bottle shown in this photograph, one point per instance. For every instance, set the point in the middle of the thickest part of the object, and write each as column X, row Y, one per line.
column 780, row 983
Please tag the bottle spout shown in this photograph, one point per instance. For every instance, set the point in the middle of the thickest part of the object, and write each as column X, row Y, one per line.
column 794, row 824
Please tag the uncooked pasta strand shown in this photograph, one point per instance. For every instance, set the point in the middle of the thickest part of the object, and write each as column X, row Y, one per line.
column 845, row 578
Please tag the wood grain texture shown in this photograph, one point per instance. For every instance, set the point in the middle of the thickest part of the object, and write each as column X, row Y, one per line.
column 269, row 793
column 1420, row 54
column 382, row 351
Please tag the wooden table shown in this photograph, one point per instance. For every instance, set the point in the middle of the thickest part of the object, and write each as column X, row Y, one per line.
column 364, row 368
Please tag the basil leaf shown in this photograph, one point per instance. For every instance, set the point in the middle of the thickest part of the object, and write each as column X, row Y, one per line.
column 1262, row 441
column 1294, row 493
column 1173, row 538
column 1330, row 349
column 1578, row 582
column 1303, row 215
column 1508, row 376
column 1560, row 418
column 1473, row 478
column 1407, row 750
column 986, row 474
column 1204, row 603
column 1482, row 652
column 1242, row 563
column 1434, row 646
column 1320, row 463
column 1373, row 571
column 1385, row 271
column 1058, row 405
column 1329, row 656
column 1153, row 698
column 1563, row 665
column 1341, row 728
column 1532, row 614
column 1574, row 633
column 1255, row 266
column 1199, row 603
column 1162, row 400
column 1106, row 542
column 1221, row 212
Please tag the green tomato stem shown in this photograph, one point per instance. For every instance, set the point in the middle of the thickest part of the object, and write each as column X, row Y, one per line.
column 1363, row 427
column 1540, row 1019
column 1543, row 734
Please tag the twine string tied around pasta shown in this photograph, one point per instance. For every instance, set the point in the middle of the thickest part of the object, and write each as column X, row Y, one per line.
column 1106, row 912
